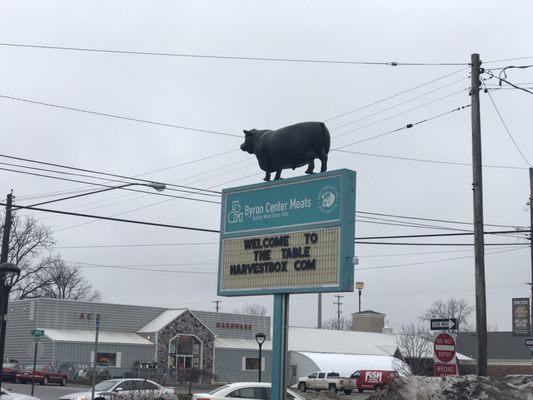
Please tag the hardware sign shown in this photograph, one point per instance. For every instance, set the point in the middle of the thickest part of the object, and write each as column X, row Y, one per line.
column 288, row 236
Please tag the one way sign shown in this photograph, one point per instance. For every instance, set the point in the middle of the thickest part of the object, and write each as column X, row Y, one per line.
column 444, row 324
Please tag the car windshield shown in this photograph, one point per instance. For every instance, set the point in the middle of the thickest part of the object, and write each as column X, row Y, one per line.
column 218, row 389
column 106, row 385
column 10, row 365
column 37, row 367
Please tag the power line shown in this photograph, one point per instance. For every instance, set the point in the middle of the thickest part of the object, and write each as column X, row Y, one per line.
column 111, row 174
column 394, row 95
column 440, row 235
column 421, row 160
column 104, row 185
column 130, row 221
column 435, row 244
column 508, row 131
column 408, row 126
column 107, row 246
column 234, row 58
column 122, row 117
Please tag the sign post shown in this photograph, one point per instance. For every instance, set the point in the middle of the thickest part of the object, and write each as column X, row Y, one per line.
column 37, row 334
column 288, row 236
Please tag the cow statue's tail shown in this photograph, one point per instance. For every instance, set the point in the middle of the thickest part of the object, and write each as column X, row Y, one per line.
column 327, row 140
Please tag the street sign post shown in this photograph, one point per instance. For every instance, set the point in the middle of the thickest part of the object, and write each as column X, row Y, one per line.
column 288, row 236
column 444, row 348
column 444, row 324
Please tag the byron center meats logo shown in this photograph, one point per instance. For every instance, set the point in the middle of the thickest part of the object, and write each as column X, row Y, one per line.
column 328, row 199
column 235, row 215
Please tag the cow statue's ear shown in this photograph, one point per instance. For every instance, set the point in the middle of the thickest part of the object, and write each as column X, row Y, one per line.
column 247, row 132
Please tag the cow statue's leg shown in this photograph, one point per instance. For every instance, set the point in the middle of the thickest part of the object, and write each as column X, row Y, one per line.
column 267, row 177
column 310, row 167
column 324, row 162
column 278, row 175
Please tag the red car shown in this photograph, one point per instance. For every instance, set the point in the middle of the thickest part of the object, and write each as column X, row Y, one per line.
column 44, row 374
column 373, row 379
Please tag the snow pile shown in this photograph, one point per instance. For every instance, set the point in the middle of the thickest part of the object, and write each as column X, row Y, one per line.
column 469, row 387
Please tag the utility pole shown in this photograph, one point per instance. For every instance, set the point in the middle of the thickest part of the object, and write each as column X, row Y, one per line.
column 531, row 241
column 95, row 358
column 217, row 302
column 319, row 314
column 4, row 296
column 479, row 244
column 339, row 304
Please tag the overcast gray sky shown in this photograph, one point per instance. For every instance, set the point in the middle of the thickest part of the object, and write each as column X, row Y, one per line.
column 229, row 96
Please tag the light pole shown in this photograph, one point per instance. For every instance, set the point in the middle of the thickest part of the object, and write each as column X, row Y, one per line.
column 9, row 274
column 260, row 339
column 359, row 286
column 154, row 185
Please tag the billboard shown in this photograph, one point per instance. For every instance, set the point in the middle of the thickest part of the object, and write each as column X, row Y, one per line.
column 288, row 236
column 521, row 316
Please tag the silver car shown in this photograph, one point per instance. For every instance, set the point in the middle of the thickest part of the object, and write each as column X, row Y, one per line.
column 114, row 389
column 7, row 395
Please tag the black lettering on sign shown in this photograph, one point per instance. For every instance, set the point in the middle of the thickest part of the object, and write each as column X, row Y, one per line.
column 262, row 255
column 258, row 268
column 250, row 244
column 311, row 237
column 295, row 252
column 305, row 265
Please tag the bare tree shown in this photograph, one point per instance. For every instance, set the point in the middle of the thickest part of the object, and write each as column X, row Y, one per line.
column 414, row 343
column 252, row 309
column 29, row 248
column 62, row 281
column 342, row 324
column 450, row 308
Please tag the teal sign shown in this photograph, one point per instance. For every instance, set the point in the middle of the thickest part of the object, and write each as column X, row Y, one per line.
column 288, row 236
column 37, row 333
column 283, row 205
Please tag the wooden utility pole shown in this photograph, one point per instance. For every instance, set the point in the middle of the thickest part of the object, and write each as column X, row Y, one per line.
column 531, row 241
column 217, row 306
column 7, row 229
column 479, row 244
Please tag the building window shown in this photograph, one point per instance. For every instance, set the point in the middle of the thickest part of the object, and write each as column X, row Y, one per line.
column 185, row 351
column 252, row 364
column 107, row 359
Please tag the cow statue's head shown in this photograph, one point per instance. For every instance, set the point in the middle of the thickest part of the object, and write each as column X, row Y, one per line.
column 249, row 141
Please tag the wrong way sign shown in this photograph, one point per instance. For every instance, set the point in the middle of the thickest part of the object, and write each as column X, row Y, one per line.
column 444, row 348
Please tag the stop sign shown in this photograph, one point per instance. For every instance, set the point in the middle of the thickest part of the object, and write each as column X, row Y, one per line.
column 444, row 348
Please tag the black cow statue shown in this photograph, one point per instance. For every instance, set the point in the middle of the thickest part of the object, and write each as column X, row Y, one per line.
column 290, row 147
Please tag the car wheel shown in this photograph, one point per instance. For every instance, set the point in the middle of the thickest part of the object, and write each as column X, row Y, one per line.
column 44, row 382
column 333, row 388
column 347, row 392
column 63, row 381
column 360, row 390
column 302, row 387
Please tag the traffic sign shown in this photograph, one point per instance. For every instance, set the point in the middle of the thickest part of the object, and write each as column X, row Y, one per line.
column 37, row 333
column 529, row 342
column 444, row 348
column 444, row 324
column 446, row 370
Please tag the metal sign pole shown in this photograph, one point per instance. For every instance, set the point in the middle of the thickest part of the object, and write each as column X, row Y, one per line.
column 279, row 346
column 97, row 326
column 34, row 365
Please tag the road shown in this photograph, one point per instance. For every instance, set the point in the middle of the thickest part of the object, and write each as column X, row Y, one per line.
column 51, row 392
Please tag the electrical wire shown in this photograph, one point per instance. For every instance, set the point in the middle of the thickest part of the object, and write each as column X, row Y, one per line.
column 116, row 116
column 393, row 96
column 408, row 126
column 435, row 244
column 233, row 58
column 441, row 234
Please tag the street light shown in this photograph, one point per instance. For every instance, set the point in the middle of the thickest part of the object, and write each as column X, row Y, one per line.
column 154, row 185
column 260, row 339
column 9, row 274
column 359, row 286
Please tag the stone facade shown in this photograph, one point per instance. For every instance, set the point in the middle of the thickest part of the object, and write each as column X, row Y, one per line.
column 187, row 324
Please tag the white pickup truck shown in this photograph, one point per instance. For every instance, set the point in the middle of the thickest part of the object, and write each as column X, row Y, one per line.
column 331, row 381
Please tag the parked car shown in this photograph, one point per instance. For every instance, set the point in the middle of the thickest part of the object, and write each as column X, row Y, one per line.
column 44, row 374
column 331, row 381
column 9, row 370
column 244, row 391
column 8, row 395
column 117, row 388
column 373, row 379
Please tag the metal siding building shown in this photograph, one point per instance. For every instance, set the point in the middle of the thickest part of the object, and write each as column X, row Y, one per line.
column 231, row 366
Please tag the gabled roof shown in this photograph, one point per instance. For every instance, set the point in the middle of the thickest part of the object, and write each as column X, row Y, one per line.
column 162, row 320
column 87, row 336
